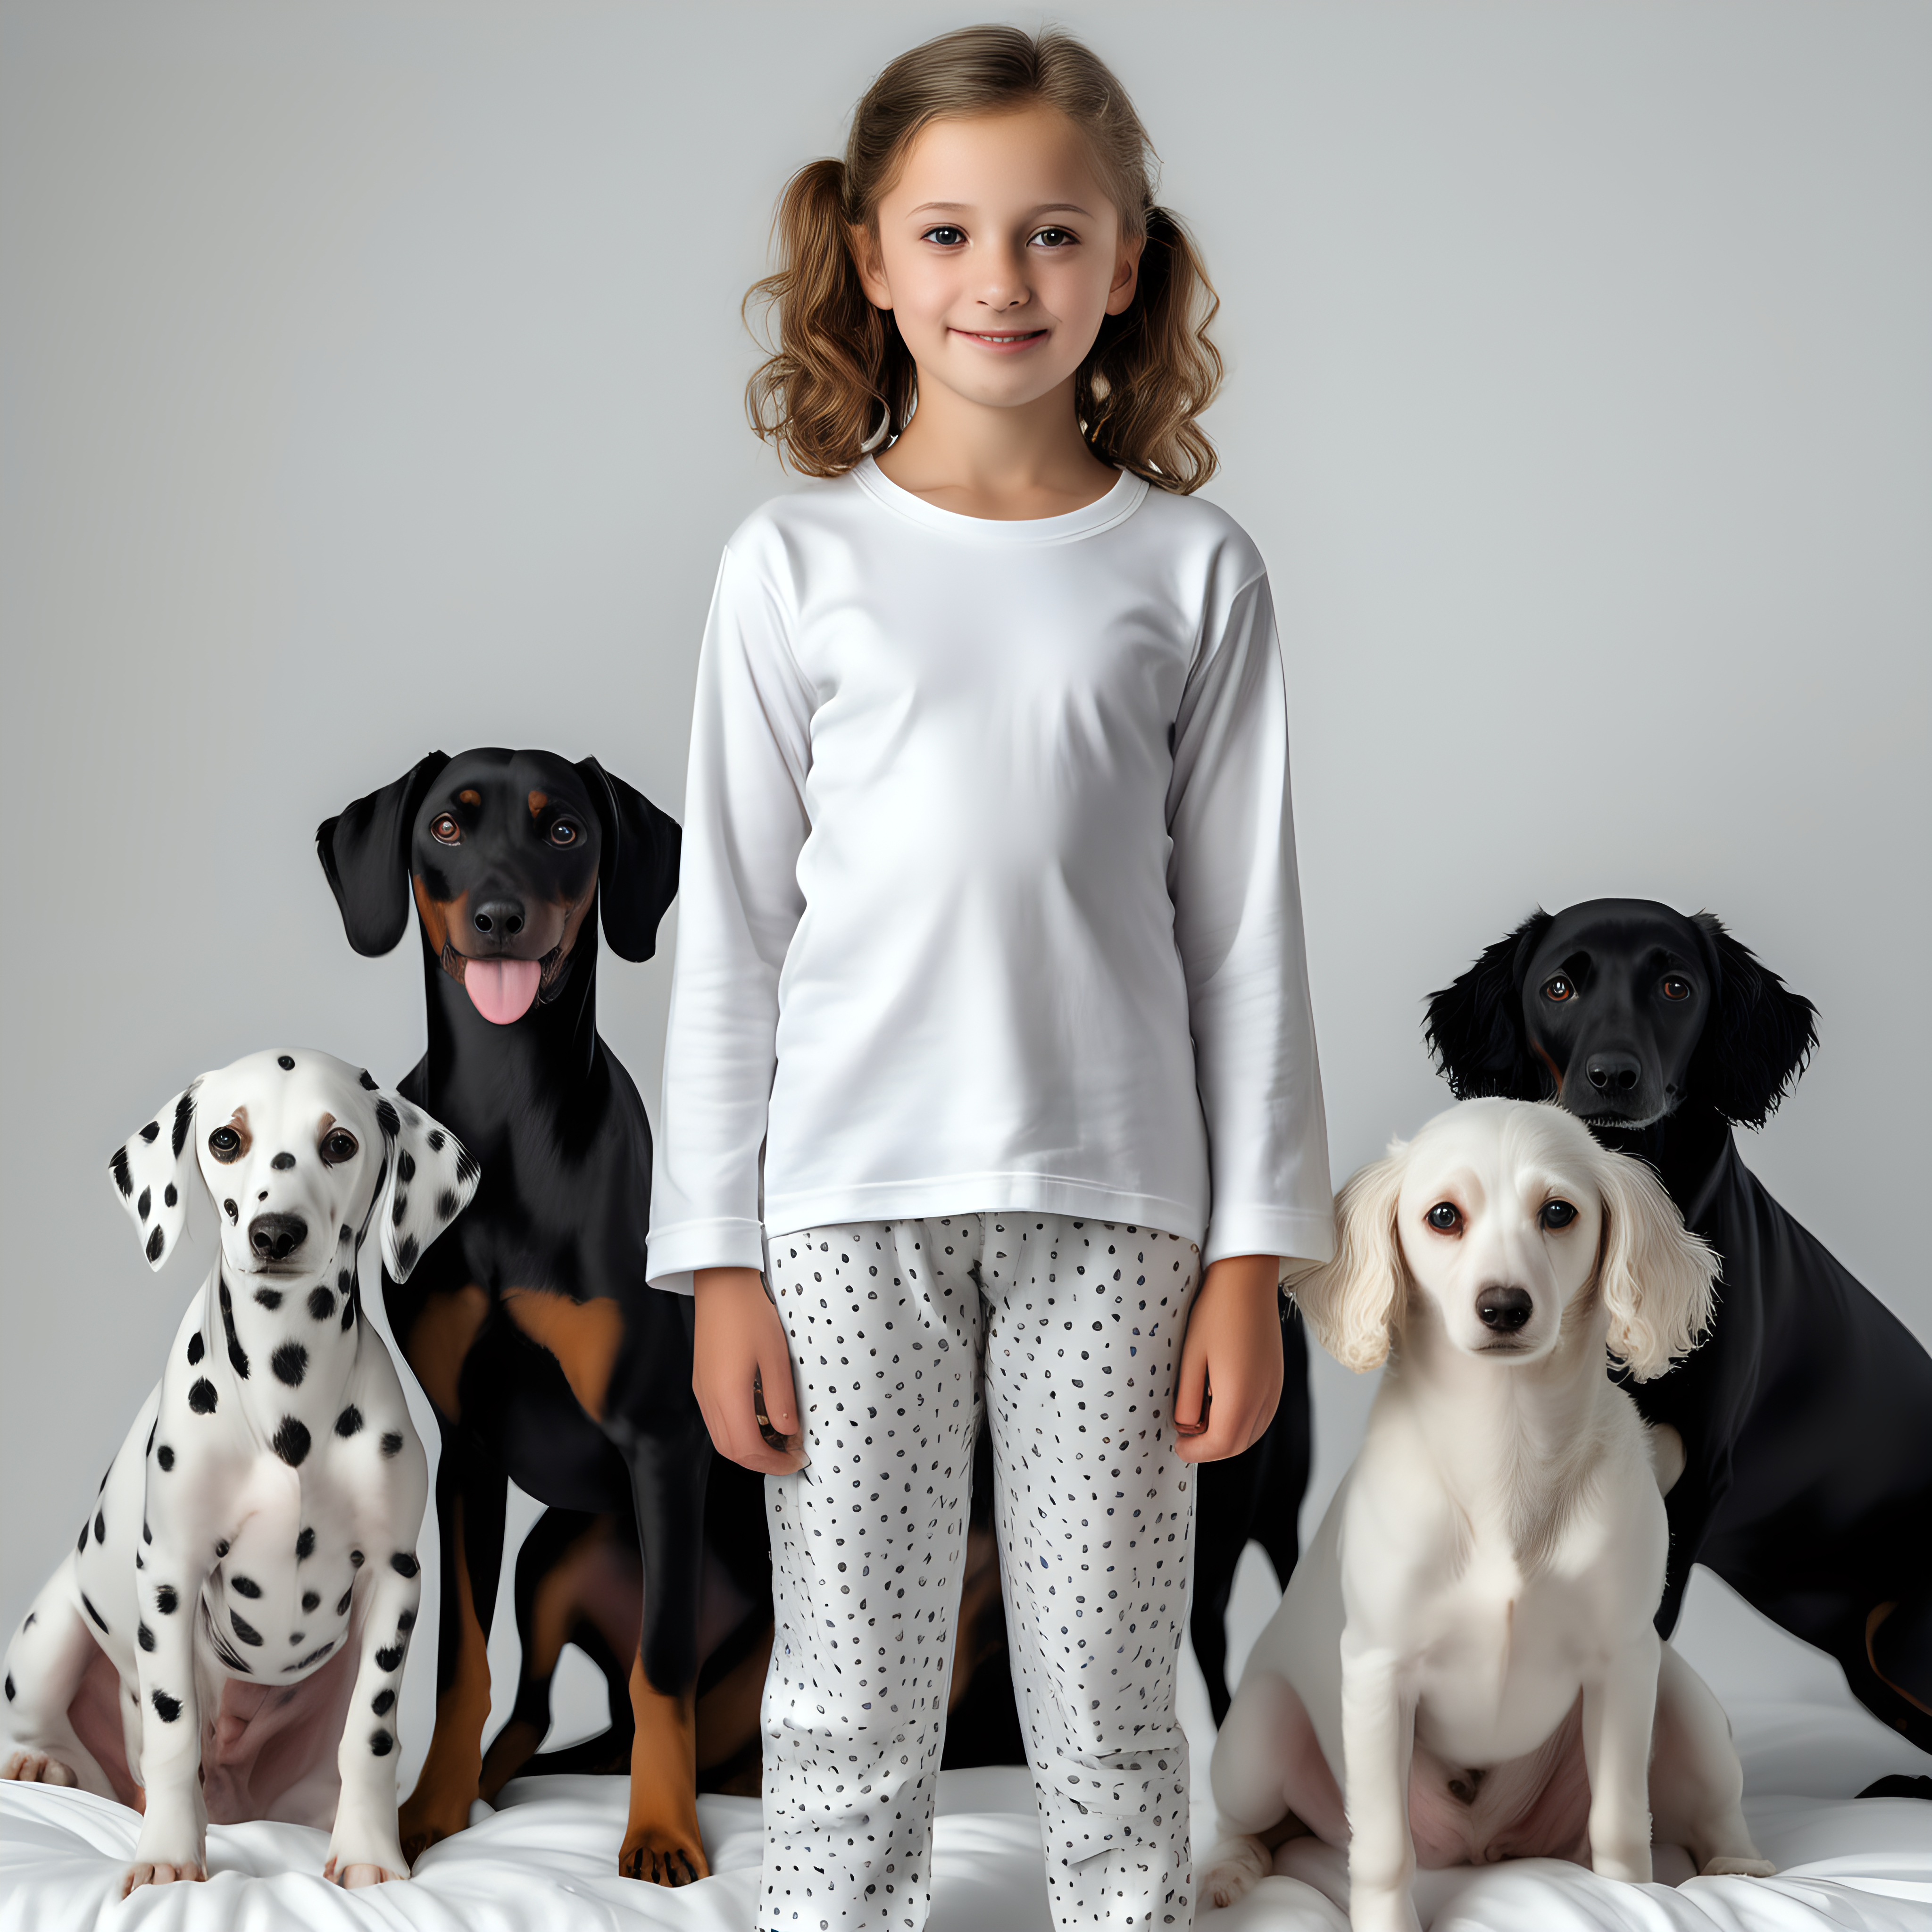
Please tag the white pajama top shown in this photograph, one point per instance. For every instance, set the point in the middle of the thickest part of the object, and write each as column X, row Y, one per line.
column 988, row 898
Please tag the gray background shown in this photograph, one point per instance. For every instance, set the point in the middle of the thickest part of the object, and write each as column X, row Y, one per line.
column 369, row 381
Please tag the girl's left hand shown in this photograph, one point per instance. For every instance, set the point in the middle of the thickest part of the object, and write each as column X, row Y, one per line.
column 1233, row 1346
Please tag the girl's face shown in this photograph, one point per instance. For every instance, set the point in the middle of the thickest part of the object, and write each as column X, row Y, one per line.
column 999, row 254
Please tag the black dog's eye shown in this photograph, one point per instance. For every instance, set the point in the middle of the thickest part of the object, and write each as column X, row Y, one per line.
column 1445, row 1217
column 1559, row 989
column 445, row 828
column 563, row 833
column 1675, row 987
column 1557, row 1214
column 338, row 1147
column 225, row 1143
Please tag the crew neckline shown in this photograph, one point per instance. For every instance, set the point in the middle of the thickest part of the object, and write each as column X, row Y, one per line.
column 1128, row 493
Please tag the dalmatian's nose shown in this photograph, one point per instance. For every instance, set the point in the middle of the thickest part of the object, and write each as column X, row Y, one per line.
column 276, row 1237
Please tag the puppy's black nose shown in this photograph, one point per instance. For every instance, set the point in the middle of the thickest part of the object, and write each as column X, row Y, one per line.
column 1614, row 1073
column 499, row 918
column 1504, row 1309
column 276, row 1237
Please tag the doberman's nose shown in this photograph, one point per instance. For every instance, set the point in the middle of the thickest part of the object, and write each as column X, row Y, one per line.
column 276, row 1237
column 1504, row 1309
column 1614, row 1073
column 499, row 918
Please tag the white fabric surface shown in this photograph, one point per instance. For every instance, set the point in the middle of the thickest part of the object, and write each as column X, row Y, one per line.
column 988, row 900
column 545, row 1861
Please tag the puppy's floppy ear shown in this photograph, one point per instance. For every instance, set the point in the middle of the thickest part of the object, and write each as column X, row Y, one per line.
column 1475, row 1025
column 426, row 1180
column 1656, row 1276
column 364, row 850
column 637, row 873
column 151, row 1171
column 1354, row 1303
column 1756, row 1041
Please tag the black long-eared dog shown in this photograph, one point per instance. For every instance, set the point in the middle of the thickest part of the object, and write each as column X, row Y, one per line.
column 1805, row 1419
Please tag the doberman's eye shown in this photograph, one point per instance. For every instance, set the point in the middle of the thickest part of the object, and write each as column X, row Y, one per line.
column 1445, row 1217
column 1557, row 1214
column 225, row 1143
column 446, row 829
column 340, row 1146
column 1559, row 989
column 564, row 832
column 1675, row 986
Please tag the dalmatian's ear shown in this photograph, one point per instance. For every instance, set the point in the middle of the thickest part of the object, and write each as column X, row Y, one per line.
column 428, row 1178
column 151, row 1172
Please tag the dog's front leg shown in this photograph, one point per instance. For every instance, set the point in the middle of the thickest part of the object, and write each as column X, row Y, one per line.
column 1619, row 1707
column 173, row 1843
column 365, row 1848
column 1378, row 1740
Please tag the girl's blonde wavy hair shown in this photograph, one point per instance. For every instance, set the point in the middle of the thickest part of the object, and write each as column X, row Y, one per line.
column 842, row 379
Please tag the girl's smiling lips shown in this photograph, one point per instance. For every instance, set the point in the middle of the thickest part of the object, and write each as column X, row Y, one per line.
column 1004, row 342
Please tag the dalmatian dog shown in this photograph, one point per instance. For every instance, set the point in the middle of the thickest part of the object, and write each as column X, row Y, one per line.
column 225, row 1641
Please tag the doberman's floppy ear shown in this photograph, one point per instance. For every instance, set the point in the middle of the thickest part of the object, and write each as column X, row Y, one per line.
column 637, row 876
column 1657, row 1277
column 365, row 851
column 1354, row 1303
column 152, row 1170
column 427, row 1177
column 1475, row 1025
column 1756, row 1041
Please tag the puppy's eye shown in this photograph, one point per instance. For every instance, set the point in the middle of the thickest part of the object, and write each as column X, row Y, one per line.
column 1558, row 989
column 225, row 1143
column 1444, row 1217
column 564, row 832
column 1674, row 987
column 340, row 1146
column 1557, row 1214
column 446, row 830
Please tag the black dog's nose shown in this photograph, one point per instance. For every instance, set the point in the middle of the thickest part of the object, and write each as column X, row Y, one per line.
column 1614, row 1073
column 500, row 918
column 1504, row 1309
column 276, row 1237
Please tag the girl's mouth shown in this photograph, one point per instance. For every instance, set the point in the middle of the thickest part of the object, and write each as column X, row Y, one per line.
column 1005, row 342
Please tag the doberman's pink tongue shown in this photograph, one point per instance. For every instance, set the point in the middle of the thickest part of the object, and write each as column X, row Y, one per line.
column 501, row 989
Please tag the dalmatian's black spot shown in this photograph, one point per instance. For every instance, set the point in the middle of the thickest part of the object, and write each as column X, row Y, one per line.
column 201, row 1397
column 386, row 1119
column 221, row 1548
column 382, row 1176
column 184, row 1113
column 244, row 1586
column 145, row 1205
column 355, row 1559
column 229, row 1654
column 245, row 1630
column 368, row 1081
column 166, row 1708
column 156, row 1243
column 404, row 1563
column 305, row 1546
column 82, row 1544
column 103, row 1484
column 390, row 1659
column 311, row 1600
column 238, row 1356
column 296, row 1637
column 170, row 1195
column 348, row 1314
column 291, row 1442
column 152, row 1427
column 271, row 1298
column 392, row 1444
column 381, row 1744
column 196, row 1348
column 345, row 1280
column 33, row 1618
column 147, row 1534
column 467, row 1166
column 406, row 1621
column 447, row 1203
column 407, row 1249
column 342, row 1608
column 234, row 1212
column 348, row 1422
column 314, row 1656
column 282, row 1161
column 144, row 1636
column 383, row 1703
column 290, row 1363
column 10, row 1690
column 321, row 1302
column 398, row 1209
column 406, row 1166
column 348, row 1235
column 283, row 1061
column 149, row 1133
column 436, row 1140
column 165, row 1456
column 87, row 1604
column 117, row 1165
column 166, row 1601
column 140, row 1561
column 100, row 1527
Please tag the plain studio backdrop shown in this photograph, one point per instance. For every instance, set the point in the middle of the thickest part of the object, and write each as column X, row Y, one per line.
column 371, row 376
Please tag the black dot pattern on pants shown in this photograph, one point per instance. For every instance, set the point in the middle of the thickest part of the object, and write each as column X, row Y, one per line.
column 1076, row 1326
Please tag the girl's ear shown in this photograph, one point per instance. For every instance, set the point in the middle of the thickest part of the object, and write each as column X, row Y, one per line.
column 864, row 245
column 1474, row 1024
column 1354, row 1303
column 151, row 1171
column 637, row 869
column 1657, row 1277
column 364, row 850
column 1758, row 1037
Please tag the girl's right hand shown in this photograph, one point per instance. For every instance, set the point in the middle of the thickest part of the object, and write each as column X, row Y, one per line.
column 740, row 1364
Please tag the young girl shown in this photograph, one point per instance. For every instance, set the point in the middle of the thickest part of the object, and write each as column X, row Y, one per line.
column 990, row 1024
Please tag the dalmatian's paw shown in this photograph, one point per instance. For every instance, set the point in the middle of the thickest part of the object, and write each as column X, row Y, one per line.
column 1738, row 1868
column 1234, row 1867
column 31, row 1767
column 659, row 1856
column 172, row 1846
column 352, row 1876
column 142, row 1873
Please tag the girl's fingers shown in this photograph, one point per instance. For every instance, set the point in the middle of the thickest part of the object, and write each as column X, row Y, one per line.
column 1191, row 1391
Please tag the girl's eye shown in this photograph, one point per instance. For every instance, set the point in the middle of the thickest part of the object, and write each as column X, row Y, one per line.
column 339, row 1147
column 1676, row 987
column 224, row 1143
column 1444, row 1217
column 563, row 833
column 1557, row 1214
column 1056, row 238
column 446, row 829
column 1558, row 989
column 946, row 238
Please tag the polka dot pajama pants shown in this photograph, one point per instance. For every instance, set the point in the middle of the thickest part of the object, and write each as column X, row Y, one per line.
column 1076, row 1326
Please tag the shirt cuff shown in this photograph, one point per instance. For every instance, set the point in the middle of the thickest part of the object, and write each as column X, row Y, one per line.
column 1300, row 1233
column 673, row 1253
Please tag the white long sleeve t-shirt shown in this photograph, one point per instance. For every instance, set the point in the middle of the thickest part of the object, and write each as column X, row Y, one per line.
column 988, row 898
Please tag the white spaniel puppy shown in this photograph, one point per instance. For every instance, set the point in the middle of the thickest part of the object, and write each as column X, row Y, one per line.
column 1464, row 1668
